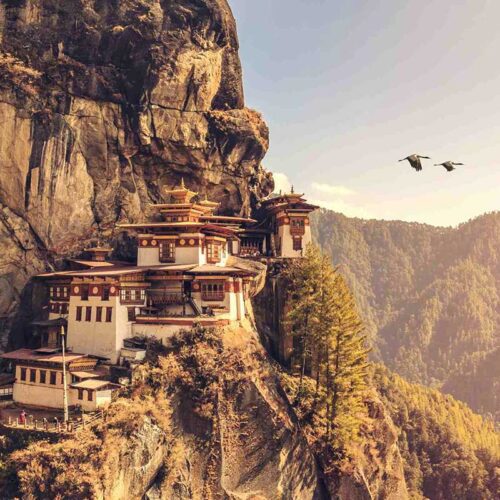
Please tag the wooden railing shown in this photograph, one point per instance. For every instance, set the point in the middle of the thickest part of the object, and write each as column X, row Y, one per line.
column 163, row 296
column 56, row 425
column 212, row 296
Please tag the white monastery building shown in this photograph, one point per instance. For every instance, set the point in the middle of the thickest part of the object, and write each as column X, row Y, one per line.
column 189, row 270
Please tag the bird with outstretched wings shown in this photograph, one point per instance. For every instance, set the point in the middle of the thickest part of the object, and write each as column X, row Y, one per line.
column 448, row 165
column 415, row 162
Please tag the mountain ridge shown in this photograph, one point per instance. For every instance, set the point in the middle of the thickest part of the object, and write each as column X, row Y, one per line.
column 430, row 296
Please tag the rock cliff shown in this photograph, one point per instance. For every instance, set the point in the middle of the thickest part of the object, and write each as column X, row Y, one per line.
column 101, row 104
column 206, row 419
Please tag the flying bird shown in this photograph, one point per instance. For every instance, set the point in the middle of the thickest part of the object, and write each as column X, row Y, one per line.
column 448, row 165
column 415, row 161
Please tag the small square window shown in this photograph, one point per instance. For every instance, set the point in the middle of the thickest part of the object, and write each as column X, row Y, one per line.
column 297, row 243
column 167, row 251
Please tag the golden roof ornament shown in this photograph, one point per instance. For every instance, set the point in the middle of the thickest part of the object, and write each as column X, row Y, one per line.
column 207, row 203
column 181, row 194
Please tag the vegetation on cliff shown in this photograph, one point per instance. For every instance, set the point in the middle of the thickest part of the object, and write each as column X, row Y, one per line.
column 449, row 452
column 204, row 418
column 322, row 317
column 430, row 297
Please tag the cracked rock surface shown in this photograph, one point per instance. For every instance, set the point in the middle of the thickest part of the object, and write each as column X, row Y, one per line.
column 102, row 103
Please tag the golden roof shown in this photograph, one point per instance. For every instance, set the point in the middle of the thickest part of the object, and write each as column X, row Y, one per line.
column 181, row 194
column 207, row 203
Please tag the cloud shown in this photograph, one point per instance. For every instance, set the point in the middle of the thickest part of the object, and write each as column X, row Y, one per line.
column 323, row 190
column 331, row 189
column 281, row 183
column 349, row 209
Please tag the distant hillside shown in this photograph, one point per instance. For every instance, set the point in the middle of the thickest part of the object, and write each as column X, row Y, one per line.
column 449, row 452
column 430, row 297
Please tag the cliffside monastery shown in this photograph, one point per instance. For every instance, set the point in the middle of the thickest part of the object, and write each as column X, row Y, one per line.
column 190, row 270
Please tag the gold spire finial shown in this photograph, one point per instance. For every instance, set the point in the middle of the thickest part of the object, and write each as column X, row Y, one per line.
column 183, row 186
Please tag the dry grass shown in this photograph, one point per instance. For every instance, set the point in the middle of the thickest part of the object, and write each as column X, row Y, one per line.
column 15, row 72
column 180, row 391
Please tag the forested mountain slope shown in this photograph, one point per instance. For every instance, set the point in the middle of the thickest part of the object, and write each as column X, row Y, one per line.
column 430, row 297
column 449, row 452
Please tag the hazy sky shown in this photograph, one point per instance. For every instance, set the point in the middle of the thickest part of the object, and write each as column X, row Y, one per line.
column 349, row 87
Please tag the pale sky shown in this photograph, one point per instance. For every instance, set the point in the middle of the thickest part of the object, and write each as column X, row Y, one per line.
column 349, row 87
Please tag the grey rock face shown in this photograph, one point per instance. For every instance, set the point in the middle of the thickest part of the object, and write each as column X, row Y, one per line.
column 101, row 105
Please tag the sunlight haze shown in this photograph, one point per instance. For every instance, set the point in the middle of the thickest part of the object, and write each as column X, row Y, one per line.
column 349, row 88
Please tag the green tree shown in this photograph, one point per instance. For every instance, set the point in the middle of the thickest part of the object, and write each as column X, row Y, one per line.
column 304, row 276
column 323, row 316
column 347, row 366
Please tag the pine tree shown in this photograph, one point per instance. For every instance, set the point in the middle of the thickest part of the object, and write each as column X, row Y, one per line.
column 348, row 368
column 304, row 278
column 322, row 315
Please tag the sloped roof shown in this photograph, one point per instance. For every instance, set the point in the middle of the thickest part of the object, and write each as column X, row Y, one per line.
column 94, row 384
column 33, row 355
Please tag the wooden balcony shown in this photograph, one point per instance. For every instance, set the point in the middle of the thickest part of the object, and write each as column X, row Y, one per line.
column 212, row 296
column 182, row 321
column 164, row 296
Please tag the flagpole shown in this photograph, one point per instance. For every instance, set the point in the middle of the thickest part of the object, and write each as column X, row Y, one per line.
column 65, row 385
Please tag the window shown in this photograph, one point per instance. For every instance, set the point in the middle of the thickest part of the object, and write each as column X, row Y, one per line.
column 131, row 313
column 297, row 243
column 43, row 377
column 64, row 308
column 78, row 313
column 132, row 295
column 105, row 293
column 88, row 313
column 98, row 314
column 212, row 291
column 297, row 226
column 53, row 378
column 80, row 394
column 213, row 252
column 65, row 292
column 167, row 251
column 32, row 376
column 109, row 314
column 89, row 395
column 85, row 292
column 23, row 374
